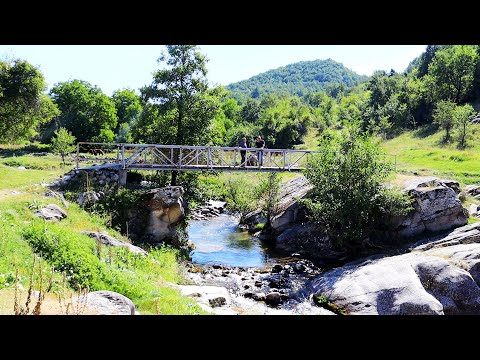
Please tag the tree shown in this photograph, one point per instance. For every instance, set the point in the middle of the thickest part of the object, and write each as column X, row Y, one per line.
column 62, row 143
column 128, row 105
column 452, row 72
column 180, row 93
column 443, row 116
column 462, row 116
column 250, row 111
column 23, row 107
column 268, row 190
column 86, row 111
column 348, row 197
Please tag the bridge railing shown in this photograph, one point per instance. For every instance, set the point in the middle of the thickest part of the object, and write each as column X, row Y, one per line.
column 184, row 157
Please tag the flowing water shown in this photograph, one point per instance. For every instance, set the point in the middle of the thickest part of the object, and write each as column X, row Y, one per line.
column 219, row 241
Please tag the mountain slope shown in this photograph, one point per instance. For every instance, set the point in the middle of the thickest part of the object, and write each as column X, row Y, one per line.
column 297, row 79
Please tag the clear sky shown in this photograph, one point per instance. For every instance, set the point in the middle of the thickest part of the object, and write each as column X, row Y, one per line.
column 113, row 67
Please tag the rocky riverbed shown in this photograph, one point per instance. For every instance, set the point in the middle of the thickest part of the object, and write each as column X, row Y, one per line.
column 228, row 290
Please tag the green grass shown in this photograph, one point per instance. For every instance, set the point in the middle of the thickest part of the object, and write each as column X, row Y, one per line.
column 426, row 155
column 145, row 280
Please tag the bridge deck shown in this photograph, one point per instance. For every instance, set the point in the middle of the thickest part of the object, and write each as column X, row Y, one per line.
column 190, row 158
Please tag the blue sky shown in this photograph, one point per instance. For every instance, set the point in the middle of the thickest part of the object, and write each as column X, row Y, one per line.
column 113, row 67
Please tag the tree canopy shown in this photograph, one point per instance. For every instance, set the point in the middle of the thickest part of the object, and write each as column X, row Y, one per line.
column 298, row 79
column 23, row 106
column 86, row 111
column 181, row 107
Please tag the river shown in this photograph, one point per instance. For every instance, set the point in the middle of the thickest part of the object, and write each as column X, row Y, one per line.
column 219, row 241
column 250, row 270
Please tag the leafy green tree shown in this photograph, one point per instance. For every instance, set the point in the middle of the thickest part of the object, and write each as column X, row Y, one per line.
column 443, row 116
column 250, row 111
column 239, row 196
column 63, row 143
column 452, row 72
column 128, row 105
column 348, row 197
column 180, row 92
column 269, row 190
column 124, row 134
column 462, row 116
column 23, row 107
column 86, row 111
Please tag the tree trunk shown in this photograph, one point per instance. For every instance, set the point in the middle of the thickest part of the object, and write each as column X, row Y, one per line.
column 173, row 181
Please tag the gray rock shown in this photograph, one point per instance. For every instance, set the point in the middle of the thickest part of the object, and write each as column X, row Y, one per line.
column 440, row 276
column 473, row 209
column 259, row 297
column 154, row 217
column 436, row 208
column 21, row 168
column 51, row 193
column 110, row 303
column 51, row 212
column 277, row 268
column 203, row 294
column 218, row 301
column 472, row 189
column 89, row 198
column 105, row 239
column 274, row 299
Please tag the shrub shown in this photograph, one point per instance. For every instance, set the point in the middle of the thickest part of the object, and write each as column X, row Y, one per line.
column 349, row 198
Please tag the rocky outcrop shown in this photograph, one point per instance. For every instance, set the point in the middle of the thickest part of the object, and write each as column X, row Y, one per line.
column 439, row 276
column 51, row 212
column 288, row 210
column 155, row 215
column 108, row 303
column 105, row 239
column 436, row 208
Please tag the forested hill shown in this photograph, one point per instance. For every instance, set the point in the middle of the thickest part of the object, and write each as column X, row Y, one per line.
column 297, row 79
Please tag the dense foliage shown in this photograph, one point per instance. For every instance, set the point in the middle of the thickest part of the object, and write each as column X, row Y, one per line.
column 298, row 79
column 181, row 107
column 23, row 106
column 349, row 198
column 86, row 111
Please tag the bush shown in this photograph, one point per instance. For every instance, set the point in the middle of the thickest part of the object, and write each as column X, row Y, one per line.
column 349, row 198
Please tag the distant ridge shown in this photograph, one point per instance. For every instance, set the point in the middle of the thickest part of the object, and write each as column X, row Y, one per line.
column 297, row 79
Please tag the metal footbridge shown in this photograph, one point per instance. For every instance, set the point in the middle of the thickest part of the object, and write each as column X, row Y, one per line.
column 188, row 158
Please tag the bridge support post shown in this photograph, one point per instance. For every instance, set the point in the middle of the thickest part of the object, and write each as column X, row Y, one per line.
column 122, row 177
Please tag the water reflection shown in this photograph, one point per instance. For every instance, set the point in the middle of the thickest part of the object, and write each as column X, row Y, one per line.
column 219, row 241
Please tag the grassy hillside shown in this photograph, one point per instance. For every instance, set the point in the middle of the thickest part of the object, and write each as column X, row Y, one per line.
column 297, row 79
column 144, row 280
column 422, row 152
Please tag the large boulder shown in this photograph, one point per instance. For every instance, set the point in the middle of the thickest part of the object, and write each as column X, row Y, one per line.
column 51, row 212
column 288, row 210
column 154, row 217
column 309, row 240
column 108, row 303
column 106, row 239
column 439, row 276
column 436, row 208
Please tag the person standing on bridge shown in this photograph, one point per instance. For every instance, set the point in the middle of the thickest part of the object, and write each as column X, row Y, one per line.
column 260, row 144
column 243, row 153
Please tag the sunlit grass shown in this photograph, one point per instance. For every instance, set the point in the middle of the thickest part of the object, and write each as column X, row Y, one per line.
column 428, row 156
